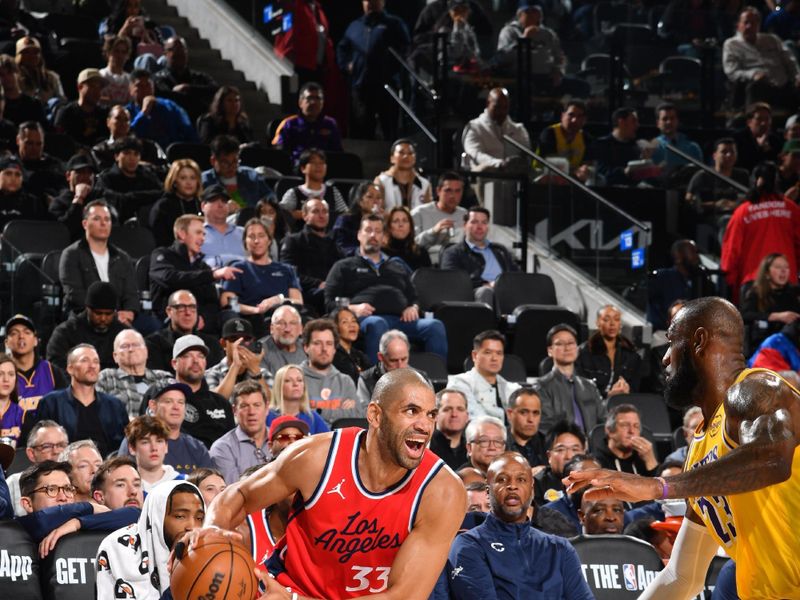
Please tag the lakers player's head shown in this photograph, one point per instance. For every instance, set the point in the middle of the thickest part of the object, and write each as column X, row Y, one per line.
column 402, row 414
column 705, row 341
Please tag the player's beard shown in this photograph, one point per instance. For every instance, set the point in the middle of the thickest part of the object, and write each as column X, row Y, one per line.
column 506, row 514
column 680, row 388
column 394, row 442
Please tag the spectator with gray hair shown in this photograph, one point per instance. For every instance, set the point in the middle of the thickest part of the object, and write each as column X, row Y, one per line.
column 46, row 440
column 130, row 380
column 283, row 344
column 626, row 449
column 486, row 390
column 448, row 441
column 84, row 458
column 393, row 353
column 84, row 412
column 486, row 440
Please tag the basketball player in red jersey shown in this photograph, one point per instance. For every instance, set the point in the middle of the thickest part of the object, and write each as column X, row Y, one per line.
column 376, row 511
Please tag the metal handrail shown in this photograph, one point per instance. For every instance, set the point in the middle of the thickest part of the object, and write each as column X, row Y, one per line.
column 707, row 169
column 395, row 96
column 426, row 87
column 577, row 183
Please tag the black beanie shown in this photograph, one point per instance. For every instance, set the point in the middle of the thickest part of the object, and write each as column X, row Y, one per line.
column 101, row 295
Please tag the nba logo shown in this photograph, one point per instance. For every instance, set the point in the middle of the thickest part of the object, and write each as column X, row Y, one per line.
column 629, row 575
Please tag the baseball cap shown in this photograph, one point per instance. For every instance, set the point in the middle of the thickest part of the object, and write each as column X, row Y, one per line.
column 285, row 422
column 188, row 342
column 26, row 42
column 20, row 319
column 236, row 328
column 10, row 162
column 524, row 5
column 158, row 389
column 791, row 147
column 88, row 74
column 81, row 161
column 213, row 192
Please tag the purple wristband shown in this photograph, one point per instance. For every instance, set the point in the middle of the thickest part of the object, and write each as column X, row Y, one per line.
column 664, row 488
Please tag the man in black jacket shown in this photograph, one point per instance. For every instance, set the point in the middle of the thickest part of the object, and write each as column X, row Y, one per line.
column 181, row 267
column 45, row 172
column 181, row 320
column 92, row 259
column 14, row 202
column 67, row 207
column 97, row 325
column 482, row 259
column 380, row 293
column 129, row 185
column 312, row 252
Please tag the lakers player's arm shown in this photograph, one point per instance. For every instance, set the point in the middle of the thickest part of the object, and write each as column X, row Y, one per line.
column 298, row 468
column 762, row 415
column 685, row 574
column 424, row 552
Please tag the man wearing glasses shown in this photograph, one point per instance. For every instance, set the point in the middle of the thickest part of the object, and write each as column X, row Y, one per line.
column 486, row 440
column 246, row 445
column 130, row 380
column 182, row 319
column 167, row 402
column 45, row 485
column 49, row 500
column 46, row 441
column 566, row 440
column 284, row 431
column 310, row 128
column 564, row 394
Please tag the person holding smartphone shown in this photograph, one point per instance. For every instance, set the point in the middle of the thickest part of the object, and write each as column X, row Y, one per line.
column 243, row 354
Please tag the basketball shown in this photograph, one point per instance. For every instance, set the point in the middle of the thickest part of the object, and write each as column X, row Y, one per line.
column 218, row 570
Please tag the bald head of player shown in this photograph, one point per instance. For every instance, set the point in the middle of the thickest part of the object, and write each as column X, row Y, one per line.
column 705, row 352
column 402, row 416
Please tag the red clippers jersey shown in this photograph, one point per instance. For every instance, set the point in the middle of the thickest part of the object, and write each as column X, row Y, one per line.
column 342, row 541
column 262, row 542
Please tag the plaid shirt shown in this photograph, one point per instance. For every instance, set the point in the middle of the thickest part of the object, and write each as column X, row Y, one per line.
column 121, row 384
column 217, row 373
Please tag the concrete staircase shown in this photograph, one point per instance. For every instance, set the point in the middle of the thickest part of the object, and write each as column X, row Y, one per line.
column 203, row 57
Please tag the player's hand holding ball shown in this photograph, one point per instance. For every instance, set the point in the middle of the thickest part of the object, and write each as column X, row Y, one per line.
column 214, row 567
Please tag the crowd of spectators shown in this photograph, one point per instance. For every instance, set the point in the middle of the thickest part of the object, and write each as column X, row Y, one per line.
column 264, row 319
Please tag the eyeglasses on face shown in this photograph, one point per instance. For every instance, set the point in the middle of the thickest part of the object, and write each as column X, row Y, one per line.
column 186, row 307
column 53, row 490
column 50, row 447
column 288, row 437
column 487, row 442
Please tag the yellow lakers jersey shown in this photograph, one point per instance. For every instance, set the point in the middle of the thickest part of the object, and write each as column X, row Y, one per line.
column 759, row 529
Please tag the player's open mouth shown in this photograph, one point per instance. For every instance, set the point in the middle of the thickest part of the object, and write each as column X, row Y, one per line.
column 415, row 446
column 513, row 500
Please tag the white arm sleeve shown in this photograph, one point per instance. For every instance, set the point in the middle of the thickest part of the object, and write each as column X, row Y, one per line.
column 685, row 575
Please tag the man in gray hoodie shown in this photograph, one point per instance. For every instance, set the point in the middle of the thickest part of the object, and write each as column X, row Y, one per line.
column 330, row 392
